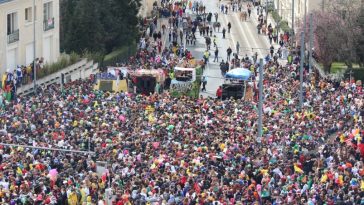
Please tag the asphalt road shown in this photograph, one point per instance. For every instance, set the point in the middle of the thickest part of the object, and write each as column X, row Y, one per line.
column 244, row 32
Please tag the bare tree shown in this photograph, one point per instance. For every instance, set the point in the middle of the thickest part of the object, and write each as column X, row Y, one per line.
column 349, row 12
column 337, row 33
column 329, row 37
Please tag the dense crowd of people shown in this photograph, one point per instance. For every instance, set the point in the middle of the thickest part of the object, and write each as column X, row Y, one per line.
column 186, row 151
column 164, row 150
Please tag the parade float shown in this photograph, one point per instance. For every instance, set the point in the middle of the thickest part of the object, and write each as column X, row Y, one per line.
column 187, row 79
column 114, row 80
column 146, row 81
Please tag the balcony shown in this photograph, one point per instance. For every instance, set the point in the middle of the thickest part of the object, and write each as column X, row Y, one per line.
column 13, row 37
column 48, row 24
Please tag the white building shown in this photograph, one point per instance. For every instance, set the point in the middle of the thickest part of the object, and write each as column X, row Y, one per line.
column 16, row 32
column 284, row 8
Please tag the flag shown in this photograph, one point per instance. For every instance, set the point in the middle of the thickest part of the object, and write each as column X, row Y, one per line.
column 197, row 188
column 324, row 178
column 297, row 169
column 19, row 171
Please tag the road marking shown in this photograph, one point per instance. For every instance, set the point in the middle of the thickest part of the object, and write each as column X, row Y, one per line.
column 230, row 34
column 250, row 35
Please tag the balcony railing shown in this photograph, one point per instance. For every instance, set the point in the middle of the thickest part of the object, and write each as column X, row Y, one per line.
column 13, row 37
column 49, row 24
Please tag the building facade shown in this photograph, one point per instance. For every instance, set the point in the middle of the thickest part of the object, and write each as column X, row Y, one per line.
column 17, row 18
column 284, row 8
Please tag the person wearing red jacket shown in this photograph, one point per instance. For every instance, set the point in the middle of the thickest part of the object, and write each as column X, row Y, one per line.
column 219, row 92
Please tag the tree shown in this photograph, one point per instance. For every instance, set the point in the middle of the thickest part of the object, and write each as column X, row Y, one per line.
column 329, row 36
column 98, row 25
column 66, row 14
column 349, row 12
column 360, row 45
column 337, row 33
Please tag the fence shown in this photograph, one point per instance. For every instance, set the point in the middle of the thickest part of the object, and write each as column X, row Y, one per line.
column 331, row 76
column 81, row 69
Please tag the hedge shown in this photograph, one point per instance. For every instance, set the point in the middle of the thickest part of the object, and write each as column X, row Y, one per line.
column 119, row 55
column 283, row 25
column 276, row 16
column 63, row 62
column 358, row 73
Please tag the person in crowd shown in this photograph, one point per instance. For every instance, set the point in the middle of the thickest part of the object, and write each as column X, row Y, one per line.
column 229, row 51
column 160, row 149
column 216, row 58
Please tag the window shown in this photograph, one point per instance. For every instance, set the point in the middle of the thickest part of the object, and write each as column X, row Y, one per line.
column 48, row 11
column 28, row 14
column 12, row 23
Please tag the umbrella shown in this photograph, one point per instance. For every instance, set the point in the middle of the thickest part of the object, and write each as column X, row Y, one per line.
column 239, row 73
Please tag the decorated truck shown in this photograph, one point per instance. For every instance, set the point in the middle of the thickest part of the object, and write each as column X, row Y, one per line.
column 186, row 79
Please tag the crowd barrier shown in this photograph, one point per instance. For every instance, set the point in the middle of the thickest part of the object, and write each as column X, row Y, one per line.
column 81, row 69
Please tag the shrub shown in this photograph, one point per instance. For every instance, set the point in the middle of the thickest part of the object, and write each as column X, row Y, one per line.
column 74, row 57
column 95, row 56
column 63, row 62
column 276, row 16
column 358, row 73
column 119, row 55
column 284, row 26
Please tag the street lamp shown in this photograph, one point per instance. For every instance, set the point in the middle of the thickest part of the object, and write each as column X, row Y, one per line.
column 34, row 51
column 292, row 22
column 260, row 105
column 311, row 44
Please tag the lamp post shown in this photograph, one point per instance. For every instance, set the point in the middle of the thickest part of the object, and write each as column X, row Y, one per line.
column 311, row 44
column 301, row 68
column 305, row 21
column 292, row 17
column 34, row 52
column 260, row 105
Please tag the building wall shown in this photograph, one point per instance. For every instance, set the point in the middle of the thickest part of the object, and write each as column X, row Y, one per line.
column 26, row 33
column 284, row 8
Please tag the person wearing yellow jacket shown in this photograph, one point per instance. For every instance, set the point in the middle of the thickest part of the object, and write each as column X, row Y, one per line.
column 72, row 198
column 3, row 79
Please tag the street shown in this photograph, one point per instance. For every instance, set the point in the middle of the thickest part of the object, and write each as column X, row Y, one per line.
column 244, row 32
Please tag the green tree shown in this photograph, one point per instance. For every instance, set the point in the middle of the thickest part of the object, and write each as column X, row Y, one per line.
column 66, row 15
column 86, row 30
column 99, row 25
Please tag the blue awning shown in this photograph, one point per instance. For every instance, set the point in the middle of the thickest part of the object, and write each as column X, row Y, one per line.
column 239, row 74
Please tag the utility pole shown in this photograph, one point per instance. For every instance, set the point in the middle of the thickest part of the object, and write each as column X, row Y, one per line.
column 323, row 5
column 34, row 51
column 292, row 21
column 311, row 44
column 305, row 21
column 266, row 11
column 304, row 29
column 301, row 68
column 260, row 105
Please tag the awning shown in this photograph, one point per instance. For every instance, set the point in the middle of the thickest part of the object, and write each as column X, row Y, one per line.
column 239, row 74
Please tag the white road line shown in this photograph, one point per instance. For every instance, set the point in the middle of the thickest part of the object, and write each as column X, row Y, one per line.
column 253, row 41
column 231, row 35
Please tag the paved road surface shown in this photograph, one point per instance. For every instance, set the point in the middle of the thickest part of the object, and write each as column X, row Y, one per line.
column 243, row 32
